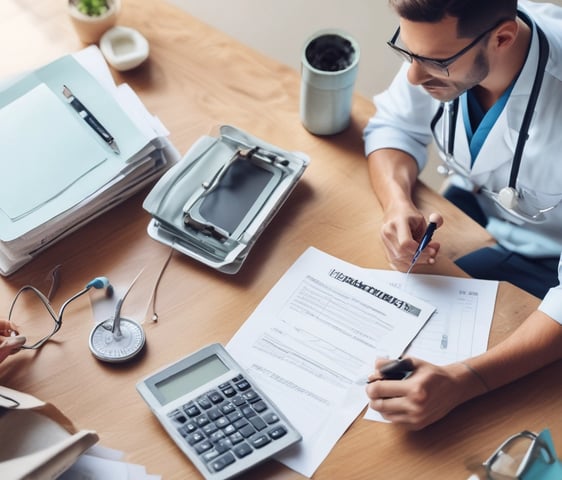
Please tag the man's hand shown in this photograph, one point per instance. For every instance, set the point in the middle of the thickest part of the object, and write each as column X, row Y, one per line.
column 401, row 233
column 424, row 397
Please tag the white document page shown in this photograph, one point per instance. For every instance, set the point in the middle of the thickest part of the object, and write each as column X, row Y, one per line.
column 459, row 328
column 314, row 338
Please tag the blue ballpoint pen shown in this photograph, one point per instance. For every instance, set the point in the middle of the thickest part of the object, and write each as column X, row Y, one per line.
column 423, row 243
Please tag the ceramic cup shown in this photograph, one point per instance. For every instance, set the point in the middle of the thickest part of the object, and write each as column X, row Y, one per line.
column 329, row 65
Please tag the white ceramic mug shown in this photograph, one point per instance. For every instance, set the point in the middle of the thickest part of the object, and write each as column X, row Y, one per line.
column 329, row 65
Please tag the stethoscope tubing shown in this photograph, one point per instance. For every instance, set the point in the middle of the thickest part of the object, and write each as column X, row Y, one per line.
column 449, row 112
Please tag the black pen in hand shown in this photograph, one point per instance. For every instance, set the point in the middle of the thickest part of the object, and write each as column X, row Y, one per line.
column 434, row 221
column 399, row 369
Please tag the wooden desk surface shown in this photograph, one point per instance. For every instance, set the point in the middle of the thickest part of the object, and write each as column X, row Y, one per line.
column 197, row 78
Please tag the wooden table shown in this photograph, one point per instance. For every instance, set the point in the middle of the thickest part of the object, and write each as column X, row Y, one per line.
column 197, row 78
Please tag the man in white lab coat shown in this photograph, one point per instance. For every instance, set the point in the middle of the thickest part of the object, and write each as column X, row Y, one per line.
column 492, row 70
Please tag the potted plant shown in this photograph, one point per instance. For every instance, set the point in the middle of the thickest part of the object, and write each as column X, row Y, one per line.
column 92, row 18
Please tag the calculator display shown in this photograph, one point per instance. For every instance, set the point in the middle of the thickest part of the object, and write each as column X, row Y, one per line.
column 190, row 378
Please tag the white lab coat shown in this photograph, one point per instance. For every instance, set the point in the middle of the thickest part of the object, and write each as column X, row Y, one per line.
column 403, row 117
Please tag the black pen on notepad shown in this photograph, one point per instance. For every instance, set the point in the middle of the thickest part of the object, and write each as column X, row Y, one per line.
column 398, row 369
column 92, row 121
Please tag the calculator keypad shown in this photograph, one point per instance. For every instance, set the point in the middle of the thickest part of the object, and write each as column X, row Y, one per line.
column 227, row 423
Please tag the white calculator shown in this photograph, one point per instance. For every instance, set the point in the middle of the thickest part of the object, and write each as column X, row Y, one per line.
column 216, row 414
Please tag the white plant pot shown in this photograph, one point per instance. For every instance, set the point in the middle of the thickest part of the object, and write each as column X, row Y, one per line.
column 90, row 29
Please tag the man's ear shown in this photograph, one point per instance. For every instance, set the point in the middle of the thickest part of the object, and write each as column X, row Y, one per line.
column 505, row 35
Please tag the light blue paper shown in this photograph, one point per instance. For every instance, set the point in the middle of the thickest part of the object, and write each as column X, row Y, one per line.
column 45, row 149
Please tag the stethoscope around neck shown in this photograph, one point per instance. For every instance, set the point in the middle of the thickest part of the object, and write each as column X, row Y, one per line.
column 508, row 197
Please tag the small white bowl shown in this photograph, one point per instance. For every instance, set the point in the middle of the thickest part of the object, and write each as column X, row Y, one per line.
column 124, row 48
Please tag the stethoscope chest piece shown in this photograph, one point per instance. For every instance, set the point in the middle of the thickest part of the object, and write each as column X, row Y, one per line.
column 508, row 197
column 117, row 341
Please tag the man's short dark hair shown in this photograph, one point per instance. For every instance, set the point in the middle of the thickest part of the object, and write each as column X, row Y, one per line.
column 474, row 16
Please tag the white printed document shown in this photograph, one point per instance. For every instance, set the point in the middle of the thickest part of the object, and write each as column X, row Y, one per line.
column 313, row 340
column 459, row 328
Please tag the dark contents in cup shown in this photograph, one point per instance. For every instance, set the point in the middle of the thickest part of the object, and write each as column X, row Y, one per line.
column 330, row 53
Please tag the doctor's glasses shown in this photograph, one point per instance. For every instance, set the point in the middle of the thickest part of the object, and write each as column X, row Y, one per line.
column 524, row 204
column 437, row 65
column 524, row 455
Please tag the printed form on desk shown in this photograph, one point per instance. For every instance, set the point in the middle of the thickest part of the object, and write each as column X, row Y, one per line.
column 459, row 328
column 312, row 341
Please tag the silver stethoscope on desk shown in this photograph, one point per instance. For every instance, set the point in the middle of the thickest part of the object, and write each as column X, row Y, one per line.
column 510, row 198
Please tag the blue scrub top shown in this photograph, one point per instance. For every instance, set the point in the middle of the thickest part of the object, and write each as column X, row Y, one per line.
column 478, row 123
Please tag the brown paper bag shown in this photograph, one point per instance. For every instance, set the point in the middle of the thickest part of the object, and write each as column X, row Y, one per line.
column 36, row 440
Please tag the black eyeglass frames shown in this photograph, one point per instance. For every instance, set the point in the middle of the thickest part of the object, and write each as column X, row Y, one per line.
column 440, row 65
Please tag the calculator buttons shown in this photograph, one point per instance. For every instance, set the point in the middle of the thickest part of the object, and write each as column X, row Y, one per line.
column 258, row 423
column 220, row 419
column 228, row 408
column 204, row 402
column 260, row 441
column 202, row 420
column 214, row 413
column 215, row 397
column 209, row 429
column 270, row 418
column 277, row 432
column 238, row 400
column 228, row 423
column 191, row 410
column 242, row 450
column 222, row 422
column 242, row 385
column 203, row 446
column 222, row 462
column 229, row 392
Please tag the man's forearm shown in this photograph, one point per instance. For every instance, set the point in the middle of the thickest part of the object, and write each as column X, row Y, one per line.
column 393, row 174
column 536, row 343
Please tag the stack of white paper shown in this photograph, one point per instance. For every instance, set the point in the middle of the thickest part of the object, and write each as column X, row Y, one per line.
column 58, row 172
